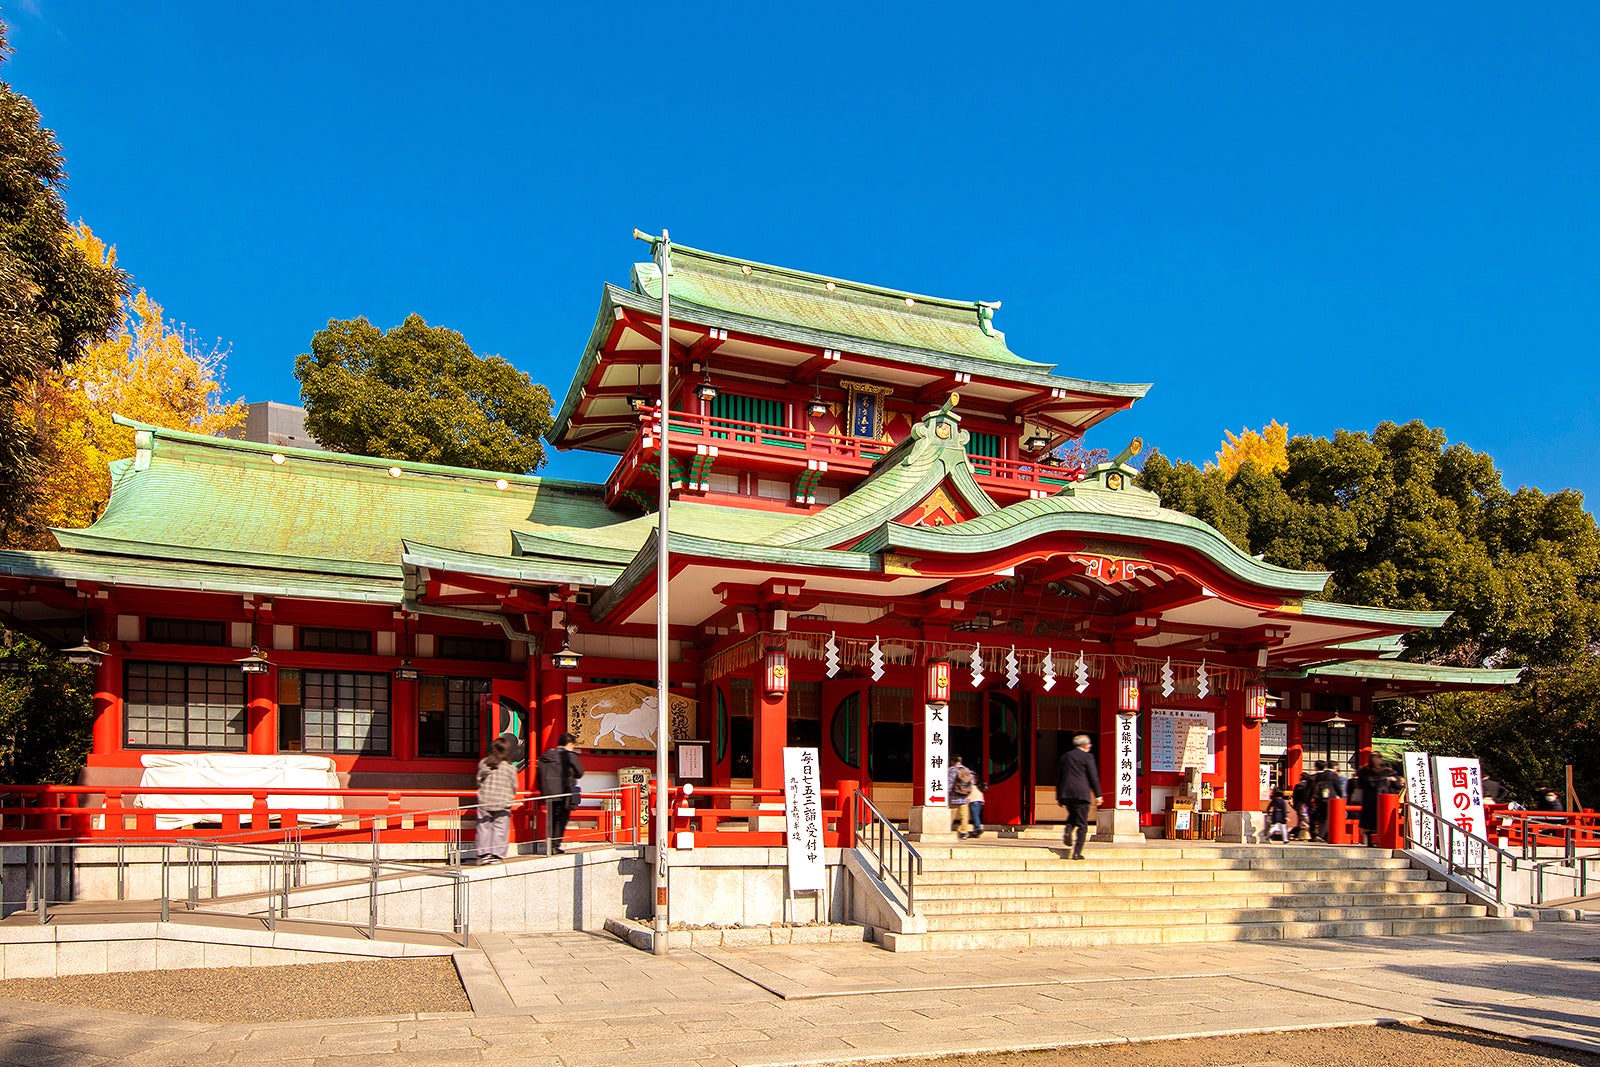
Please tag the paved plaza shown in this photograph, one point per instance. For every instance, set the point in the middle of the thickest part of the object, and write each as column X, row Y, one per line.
column 584, row 1000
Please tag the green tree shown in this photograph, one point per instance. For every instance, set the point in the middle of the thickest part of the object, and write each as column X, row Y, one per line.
column 1404, row 519
column 53, row 300
column 419, row 392
column 46, row 713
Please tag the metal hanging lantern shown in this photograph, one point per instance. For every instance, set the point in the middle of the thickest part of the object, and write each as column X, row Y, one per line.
column 83, row 655
column 255, row 663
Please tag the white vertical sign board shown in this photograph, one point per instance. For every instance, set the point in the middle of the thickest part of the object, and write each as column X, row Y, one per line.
column 1459, row 800
column 936, row 756
column 1127, row 761
column 1419, row 791
column 802, row 800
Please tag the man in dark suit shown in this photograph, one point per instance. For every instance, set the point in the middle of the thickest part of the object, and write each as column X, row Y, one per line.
column 1077, row 785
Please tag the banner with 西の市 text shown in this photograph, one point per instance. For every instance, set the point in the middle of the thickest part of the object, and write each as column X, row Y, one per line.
column 802, row 800
column 936, row 755
column 1458, row 798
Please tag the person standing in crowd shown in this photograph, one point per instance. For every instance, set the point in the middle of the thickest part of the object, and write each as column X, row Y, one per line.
column 962, row 783
column 1546, row 799
column 1301, row 799
column 1324, row 787
column 1077, row 786
column 1373, row 779
column 557, row 775
column 497, row 791
column 1278, row 816
column 975, row 806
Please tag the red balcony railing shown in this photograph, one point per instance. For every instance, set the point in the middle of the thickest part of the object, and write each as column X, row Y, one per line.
column 787, row 445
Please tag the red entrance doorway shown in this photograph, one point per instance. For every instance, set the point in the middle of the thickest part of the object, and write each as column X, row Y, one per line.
column 986, row 732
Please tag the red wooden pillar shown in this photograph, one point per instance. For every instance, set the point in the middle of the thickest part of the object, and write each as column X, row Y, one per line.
column 548, row 691
column 262, row 712
column 1241, row 739
column 404, row 710
column 108, row 706
column 771, row 732
column 1105, row 746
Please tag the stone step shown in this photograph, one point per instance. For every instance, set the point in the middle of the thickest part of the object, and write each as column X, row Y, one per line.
column 1012, row 903
column 1069, row 873
column 1093, row 937
column 1153, row 851
column 1168, row 890
column 1096, row 863
column 1049, row 920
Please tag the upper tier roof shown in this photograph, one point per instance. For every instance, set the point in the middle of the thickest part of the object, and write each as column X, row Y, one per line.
column 846, row 308
column 781, row 317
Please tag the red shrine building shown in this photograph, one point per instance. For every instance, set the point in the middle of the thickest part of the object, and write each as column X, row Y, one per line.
column 868, row 513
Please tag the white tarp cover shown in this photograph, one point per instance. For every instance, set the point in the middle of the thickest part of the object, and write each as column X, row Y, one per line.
column 224, row 770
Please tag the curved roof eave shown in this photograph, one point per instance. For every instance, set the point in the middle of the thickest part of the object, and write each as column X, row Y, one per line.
column 1202, row 539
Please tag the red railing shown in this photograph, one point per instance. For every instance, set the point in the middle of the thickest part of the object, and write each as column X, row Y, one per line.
column 690, row 430
column 710, row 816
column 57, row 812
column 1528, row 830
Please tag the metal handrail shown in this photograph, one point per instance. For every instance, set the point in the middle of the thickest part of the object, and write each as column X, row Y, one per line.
column 898, row 861
column 283, row 855
column 1464, row 855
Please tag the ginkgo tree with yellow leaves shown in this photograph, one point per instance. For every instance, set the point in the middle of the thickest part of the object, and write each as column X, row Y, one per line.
column 149, row 370
column 1267, row 448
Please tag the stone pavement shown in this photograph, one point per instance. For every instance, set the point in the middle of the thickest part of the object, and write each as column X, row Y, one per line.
column 584, row 1000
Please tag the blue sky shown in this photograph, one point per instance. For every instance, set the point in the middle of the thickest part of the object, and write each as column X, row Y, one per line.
column 1329, row 217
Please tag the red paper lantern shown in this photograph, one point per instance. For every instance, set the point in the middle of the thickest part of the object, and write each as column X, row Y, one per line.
column 1255, row 702
column 1128, row 694
column 777, row 671
column 938, row 681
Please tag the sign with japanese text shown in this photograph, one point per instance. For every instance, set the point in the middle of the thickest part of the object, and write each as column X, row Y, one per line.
column 1274, row 738
column 1127, row 761
column 936, row 755
column 1458, row 798
column 1419, row 791
column 1182, row 738
column 802, row 800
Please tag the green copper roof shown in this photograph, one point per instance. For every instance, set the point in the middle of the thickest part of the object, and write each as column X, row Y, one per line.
column 195, row 497
column 1416, row 620
column 680, row 545
column 779, row 294
column 898, row 345
column 200, row 577
column 533, row 572
column 1399, row 671
column 737, row 525
column 1090, row 507
column 899, row 481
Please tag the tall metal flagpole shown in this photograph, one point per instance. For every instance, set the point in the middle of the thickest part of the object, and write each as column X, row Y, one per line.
column 663, row 249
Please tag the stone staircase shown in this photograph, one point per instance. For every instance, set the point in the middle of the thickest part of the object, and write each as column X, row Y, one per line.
column 1010, row 895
